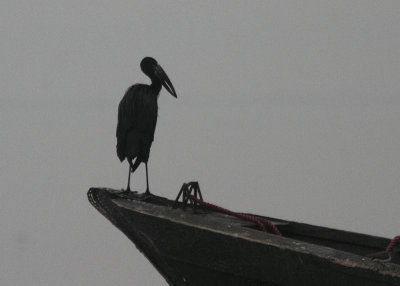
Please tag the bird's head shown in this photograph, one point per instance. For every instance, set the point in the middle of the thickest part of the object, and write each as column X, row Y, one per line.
column 154, row 71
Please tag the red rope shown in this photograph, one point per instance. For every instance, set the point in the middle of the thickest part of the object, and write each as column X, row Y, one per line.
column 261, row 222
column 393, row 243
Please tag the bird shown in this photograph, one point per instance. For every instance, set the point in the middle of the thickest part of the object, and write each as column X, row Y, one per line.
column 137, row 118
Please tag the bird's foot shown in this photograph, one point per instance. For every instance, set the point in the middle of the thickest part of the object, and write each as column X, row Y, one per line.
column 127, row 191
column 147, row 195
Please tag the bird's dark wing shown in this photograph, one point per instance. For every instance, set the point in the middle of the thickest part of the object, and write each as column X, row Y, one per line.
column 137, row 119
column 126, row 119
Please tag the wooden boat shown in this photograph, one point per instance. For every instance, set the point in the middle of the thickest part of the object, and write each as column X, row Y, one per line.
column 209, row 248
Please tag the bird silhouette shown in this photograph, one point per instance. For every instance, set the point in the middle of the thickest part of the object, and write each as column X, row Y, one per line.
column 137, row 118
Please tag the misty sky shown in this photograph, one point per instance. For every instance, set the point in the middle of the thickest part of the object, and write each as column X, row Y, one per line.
column 289, row 109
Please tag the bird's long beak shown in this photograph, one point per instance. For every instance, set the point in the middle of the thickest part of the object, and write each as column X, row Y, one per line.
column 162, row 76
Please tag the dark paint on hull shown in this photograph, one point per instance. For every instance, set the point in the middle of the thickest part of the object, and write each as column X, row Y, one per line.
column 214, row 249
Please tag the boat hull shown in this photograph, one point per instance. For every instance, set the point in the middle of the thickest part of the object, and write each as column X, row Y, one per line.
column 187, row 251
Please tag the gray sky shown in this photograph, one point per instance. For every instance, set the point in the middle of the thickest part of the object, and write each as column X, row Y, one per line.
column 285, row 108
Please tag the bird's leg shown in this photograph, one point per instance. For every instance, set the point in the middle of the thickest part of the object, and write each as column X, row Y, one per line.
column 132, row 168
column 128, row 188
column 147, row 181
column 135, row 165
column 130, row 164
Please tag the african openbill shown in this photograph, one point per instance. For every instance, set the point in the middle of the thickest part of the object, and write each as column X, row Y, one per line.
column 137, row 117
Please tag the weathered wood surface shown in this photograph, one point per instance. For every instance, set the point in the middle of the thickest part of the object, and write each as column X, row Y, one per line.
column 215, row 249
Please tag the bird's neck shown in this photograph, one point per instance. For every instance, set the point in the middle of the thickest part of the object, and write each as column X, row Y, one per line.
column 155, row 85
